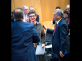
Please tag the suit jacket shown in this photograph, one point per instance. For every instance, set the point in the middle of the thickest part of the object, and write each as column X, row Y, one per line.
column 60, row 37
column 41, row 33
column 23, row 35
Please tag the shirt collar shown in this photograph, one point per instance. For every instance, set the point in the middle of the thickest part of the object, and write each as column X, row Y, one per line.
column 37, row 22
column 58, row 21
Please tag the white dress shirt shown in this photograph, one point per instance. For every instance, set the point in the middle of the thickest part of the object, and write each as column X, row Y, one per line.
column 24, row 17
column 56, row 22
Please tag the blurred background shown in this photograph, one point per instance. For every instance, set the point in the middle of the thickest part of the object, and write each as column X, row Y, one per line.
column 44, row 8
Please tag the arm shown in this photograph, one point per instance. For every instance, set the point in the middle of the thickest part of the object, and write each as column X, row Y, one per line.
column 36, row 37
column 43, row 36
column 48, row 30
column 63, row 36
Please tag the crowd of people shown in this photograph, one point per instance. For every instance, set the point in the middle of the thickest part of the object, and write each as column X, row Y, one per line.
column 27, row 33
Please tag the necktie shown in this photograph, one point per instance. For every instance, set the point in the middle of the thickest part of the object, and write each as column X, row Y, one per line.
column 25, row 18
column 54, row 29
column 69, row 20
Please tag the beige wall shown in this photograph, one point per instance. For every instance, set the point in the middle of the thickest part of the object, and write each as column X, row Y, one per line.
column 45, row 8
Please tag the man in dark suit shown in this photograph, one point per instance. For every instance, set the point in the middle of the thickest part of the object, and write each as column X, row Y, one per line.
column 23, row 35
column 37, row 18
column 60, row 36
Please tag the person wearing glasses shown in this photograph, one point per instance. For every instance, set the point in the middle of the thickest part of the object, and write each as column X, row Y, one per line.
column 38, row 26
column 25, row 10
column 60, row 36
column 31, row 8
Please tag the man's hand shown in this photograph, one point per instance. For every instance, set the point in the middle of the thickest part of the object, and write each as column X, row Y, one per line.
column 43, row 45
column 69, row 32
column 27, row 19
column 61, row 54
column 34, row 45
column 44, row 27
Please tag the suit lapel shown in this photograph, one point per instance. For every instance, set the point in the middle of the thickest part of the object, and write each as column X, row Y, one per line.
column 58, row 26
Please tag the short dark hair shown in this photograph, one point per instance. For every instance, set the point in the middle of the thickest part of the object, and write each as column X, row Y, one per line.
column 65, row 12
column 18, row 15
column 57, row 7
column 32, row 11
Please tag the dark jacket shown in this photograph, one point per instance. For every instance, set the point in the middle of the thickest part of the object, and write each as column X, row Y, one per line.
column 60, row 37
column 23, row 35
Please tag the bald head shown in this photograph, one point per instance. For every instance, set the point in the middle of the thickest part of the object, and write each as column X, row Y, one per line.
column 18, row 13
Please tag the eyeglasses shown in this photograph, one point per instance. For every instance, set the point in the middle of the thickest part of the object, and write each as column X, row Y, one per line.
column 25, row 9
column 32, row 16
column 55, row 14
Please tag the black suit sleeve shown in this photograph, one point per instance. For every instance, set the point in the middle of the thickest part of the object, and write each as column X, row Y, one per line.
column 36, row 37
column 63, row 36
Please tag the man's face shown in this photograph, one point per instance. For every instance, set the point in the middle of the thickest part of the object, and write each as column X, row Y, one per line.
column 68, row 9
column 55, row 16
column 31, row 9
column 32, row 17
column 25, row 10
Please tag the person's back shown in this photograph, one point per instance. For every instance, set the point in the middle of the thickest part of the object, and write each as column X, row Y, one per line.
column 23, row 35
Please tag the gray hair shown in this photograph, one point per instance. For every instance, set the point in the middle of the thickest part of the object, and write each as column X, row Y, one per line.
column 60, row 12
column 68, row 6
column 24, row 7
column 19, row 14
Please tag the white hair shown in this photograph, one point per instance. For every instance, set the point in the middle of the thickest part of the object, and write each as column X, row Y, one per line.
column 60, row 12
column 24, row 7
column 68, row 6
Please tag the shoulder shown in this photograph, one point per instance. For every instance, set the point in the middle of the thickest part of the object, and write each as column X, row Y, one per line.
column 39, row 24
column 63, row 23
column 29, row 24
